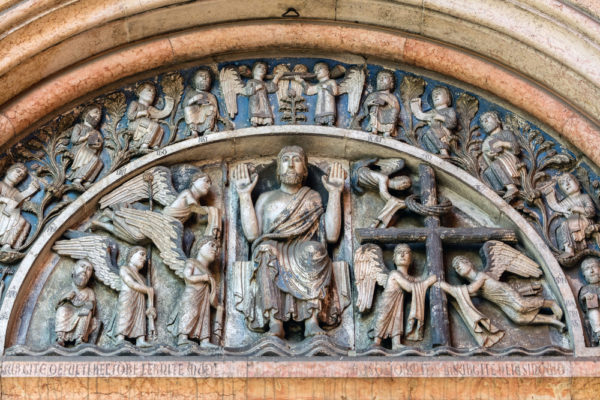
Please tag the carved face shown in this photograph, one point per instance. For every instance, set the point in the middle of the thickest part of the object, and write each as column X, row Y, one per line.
column 385, row 81
column 488, row 122
column 16, row 174
column 322, row 71
column 591, row 270
column 93, row 116
column 138, row 259
column 147, row 94
column 568, row 184
column 82, row 272
column 292, row 169
column 209, row 250
column 202, row 80
column 463, row 267
column 202, row 185
column 440, row 97
column 402, row 256
column 259, row 71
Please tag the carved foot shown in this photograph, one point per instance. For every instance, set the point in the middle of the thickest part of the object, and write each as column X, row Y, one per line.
column 276, row 329
column 312, row 328
column 206, row 344
column 511, row 192
column 141, row 342
column 183, row 341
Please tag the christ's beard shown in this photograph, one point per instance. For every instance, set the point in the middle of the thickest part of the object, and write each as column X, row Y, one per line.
column 291, row 178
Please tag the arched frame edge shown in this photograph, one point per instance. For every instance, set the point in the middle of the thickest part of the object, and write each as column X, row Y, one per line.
column 20, row 116
column 243, row 145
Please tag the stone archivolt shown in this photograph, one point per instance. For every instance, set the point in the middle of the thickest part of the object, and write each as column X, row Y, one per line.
column 293, row 276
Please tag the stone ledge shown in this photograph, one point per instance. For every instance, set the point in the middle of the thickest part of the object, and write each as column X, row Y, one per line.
column 315, row 367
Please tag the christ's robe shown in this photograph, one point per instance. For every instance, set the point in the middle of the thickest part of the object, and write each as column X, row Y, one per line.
column 290, row 274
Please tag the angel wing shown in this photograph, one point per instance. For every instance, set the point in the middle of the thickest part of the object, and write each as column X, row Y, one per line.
column 353, row 84
column 231, row 86
column 283, row 84
column 165, row 232
column 137, row 189
column 369, row 269
column 501, row 257
column 96, row 249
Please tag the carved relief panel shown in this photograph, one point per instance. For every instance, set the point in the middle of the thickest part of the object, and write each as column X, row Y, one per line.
column 337, row 223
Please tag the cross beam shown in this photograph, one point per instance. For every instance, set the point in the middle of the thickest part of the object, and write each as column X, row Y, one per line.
column 434, row 237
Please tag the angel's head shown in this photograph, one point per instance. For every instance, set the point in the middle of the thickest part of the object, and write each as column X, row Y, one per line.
column 441, row 97
column 202, row 80
column 137, row 257
column 402, row 255
column 81, row 274
column 385, row 80
column 16, row 173
column 200, row 184
column 321, row 70
column 590, row 268
column 205, row 248
column 489, row 121
column 259, row 70
column 463, row 266
column 568, row 184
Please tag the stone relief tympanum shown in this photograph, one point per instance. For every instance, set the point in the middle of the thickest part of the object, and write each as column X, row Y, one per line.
column 292, row 276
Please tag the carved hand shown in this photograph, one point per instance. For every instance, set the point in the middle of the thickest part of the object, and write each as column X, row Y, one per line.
column 151, row 312
column 335, row 181
column 242, row 180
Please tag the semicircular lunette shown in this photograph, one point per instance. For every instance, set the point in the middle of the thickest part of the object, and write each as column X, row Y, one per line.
column 180, row 262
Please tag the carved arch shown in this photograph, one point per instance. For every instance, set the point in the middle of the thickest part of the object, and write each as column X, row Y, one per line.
column 253, row 142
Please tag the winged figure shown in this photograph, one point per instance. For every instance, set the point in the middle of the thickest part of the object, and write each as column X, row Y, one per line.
column 370, row 270
column 201, row 291
column 327, row 89
column 101, row 252
column 156, row 185
column 256, row 89
column 375, row 174
column 522, row 306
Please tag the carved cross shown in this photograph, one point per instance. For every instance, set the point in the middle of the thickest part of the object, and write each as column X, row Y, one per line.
column 434, row 237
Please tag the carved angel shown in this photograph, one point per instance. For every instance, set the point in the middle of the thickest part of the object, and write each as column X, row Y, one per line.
column 256, row 89
column 375, row 174
column 522, row 306
column 132, row 311
column 327, row 89
column 201, row 291
column 143, row 116
column 157, row 184
column 370, row 270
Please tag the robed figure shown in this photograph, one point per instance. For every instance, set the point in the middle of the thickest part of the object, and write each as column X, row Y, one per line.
column 290, row 274
column 75, row 320
column 523, row 306
column 370, row 270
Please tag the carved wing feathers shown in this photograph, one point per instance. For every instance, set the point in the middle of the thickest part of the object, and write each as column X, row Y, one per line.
column 95, row 249
column 231, row 86
column 501, row 257
column 353, row 84
column 137, row 189
column 165, row 232
column 369, row 270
